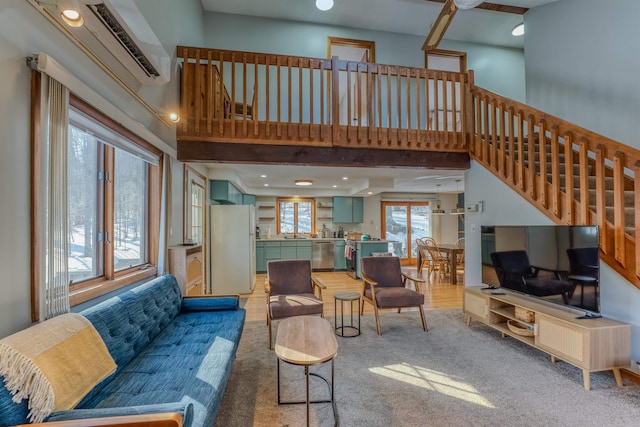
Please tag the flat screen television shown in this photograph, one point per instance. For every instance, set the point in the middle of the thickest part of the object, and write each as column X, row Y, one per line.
column 557, row 263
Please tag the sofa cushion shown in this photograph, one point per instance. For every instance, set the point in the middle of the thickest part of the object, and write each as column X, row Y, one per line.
column 210, row 304
column 189, row 361
column 130, row 321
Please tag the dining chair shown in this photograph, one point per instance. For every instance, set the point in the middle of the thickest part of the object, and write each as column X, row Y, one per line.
column 384, row 285
column 290, row 291
column 424, row 259
column 460, row 256
column 438, row 261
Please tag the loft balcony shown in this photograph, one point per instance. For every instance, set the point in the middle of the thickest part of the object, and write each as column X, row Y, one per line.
column 415, row 114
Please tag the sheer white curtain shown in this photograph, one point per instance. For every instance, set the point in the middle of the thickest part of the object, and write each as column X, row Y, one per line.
column 54, row 295
column 165, row 216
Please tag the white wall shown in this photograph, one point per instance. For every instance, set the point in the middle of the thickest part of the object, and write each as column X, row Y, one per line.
column 497, row 69
column 582, row 64
column 502, row 206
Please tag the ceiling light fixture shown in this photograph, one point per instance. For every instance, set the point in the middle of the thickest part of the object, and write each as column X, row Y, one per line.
column 518, row 30
column 467, row 4
column 304, row 182
column 174, row 117
column 70, row 13
column 344, row 178
column 263, row 176
column 458, row 210
column 324, row 5
column 437, row 210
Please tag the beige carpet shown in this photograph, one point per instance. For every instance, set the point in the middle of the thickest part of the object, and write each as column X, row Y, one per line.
column 450, row 376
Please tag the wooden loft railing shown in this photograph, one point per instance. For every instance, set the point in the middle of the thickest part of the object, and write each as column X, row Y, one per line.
column 573, row 175
column 229, row 96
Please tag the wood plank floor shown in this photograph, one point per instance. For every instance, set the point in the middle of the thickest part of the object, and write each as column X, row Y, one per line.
column 439, row 293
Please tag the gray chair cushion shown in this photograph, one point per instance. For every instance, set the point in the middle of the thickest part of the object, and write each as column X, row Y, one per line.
column 396, row 297
column 281, row 306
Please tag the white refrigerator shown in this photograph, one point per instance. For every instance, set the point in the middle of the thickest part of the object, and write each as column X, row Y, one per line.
column 232, row 249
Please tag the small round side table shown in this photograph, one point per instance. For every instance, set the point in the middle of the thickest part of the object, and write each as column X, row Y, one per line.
column 350, row 330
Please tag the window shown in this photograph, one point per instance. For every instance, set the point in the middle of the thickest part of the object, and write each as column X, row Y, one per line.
column 403, row 223
column 197, row 212
column 107, row 204
column 296, row 215
column 194, row 205
column 113, row 204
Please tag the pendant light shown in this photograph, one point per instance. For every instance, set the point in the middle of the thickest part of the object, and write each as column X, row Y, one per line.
column 437, row 210
column 458, row 210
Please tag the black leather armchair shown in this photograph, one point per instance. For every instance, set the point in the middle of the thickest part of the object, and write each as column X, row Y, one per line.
column 515, row 272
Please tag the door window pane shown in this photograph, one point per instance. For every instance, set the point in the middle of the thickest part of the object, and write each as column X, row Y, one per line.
column 84, row 206
column 130, row 188
column 396, row 229
column 420, row 226
column 197, row 212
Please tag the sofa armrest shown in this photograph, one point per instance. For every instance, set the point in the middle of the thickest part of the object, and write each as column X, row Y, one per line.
column 211, row 303
column 166, row 419
column 184, row 411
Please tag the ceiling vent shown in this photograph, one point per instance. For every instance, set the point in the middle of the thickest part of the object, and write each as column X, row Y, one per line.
column 117, row 34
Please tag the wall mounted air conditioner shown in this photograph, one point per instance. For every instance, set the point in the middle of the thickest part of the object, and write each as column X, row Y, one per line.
column 117, row 34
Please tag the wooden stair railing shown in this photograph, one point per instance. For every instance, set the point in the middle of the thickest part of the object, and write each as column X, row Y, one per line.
column 231, row 96
column 573, row 175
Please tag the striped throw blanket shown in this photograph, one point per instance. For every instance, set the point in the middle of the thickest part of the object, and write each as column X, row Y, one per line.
column 54, row 364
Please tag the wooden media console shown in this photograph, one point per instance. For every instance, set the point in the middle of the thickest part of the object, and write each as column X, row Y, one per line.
column 592, row 344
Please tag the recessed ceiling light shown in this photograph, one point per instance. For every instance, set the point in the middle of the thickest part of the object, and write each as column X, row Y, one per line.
column 324, row 4
column 344, row 178
column 266, row 185
column 263, row 176
column 334, row 186
column 72, row 17
column 304, row 182
column 518, row 30
column 369, row 192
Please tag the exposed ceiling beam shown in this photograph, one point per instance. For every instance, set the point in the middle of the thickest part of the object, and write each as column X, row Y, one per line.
column 220, row 152
column 495, row 7
column 440, row 26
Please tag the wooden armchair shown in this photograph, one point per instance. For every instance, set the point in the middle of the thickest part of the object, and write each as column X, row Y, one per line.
column 290, row 291
column 384, row 286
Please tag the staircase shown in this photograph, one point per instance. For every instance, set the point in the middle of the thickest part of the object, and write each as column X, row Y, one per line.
column 573, row 175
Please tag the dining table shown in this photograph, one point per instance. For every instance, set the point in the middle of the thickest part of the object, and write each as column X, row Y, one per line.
column 450, row 252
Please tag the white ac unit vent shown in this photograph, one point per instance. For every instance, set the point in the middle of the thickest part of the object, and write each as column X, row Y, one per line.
column 118, row 35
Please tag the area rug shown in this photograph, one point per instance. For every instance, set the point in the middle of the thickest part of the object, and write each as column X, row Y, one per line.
column 452, row 375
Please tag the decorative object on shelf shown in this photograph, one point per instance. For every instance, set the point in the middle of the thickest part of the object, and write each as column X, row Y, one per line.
column 520, row 328
column 525, row 315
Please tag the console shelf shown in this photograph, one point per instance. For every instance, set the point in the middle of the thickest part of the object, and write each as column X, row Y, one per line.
column 592, row 345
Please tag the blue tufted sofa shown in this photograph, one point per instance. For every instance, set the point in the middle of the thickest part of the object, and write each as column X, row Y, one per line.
column 172, row 355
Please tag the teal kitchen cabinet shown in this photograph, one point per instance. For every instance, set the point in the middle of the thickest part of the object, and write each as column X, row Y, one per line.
column 224, row 192
column 261, row 264
column 303, row 250
column 348, row 209
column 288, row 250
column 271, row 252
column 248, row 199
column 366, row 249
column 339, row 261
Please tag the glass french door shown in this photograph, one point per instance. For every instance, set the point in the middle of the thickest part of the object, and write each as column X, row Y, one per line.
column 403, row 223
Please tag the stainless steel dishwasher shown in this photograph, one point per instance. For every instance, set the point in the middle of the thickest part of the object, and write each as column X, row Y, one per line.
column 322, row 255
